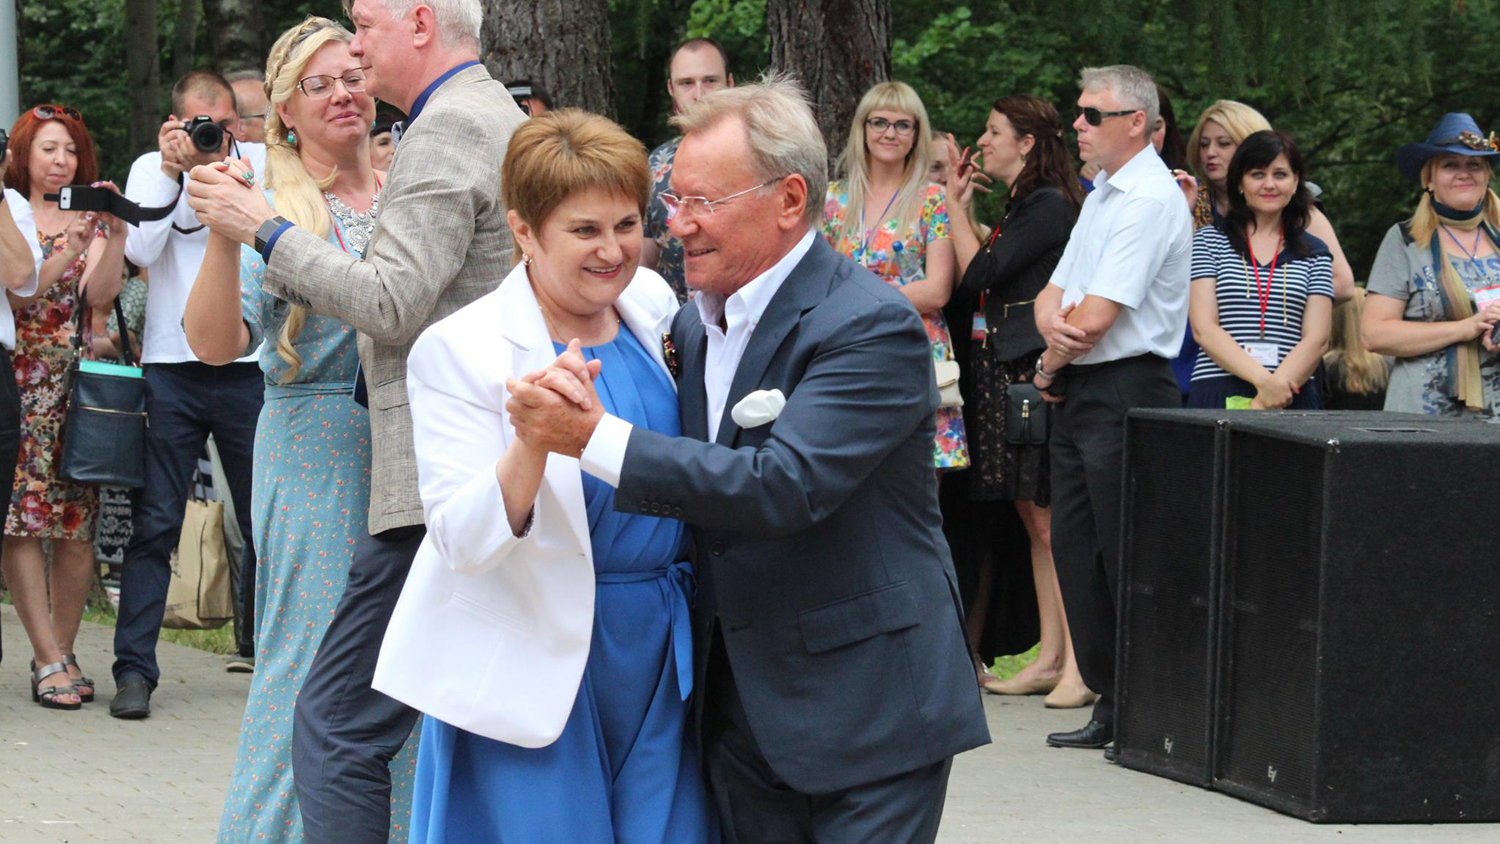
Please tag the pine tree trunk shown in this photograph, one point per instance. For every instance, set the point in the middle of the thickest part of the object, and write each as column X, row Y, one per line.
column 185, row 41
column 142, row 74
column 837, row 49
column 561, row 45
column 236, row 34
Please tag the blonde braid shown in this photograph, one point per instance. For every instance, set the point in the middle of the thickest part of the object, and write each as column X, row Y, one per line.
column 298, row 196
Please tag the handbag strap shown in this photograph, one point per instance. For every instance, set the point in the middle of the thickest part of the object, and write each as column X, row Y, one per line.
column 127, row 354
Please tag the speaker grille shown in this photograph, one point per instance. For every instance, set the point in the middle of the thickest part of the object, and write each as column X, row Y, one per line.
column 1272, row 562
column 1167, row 640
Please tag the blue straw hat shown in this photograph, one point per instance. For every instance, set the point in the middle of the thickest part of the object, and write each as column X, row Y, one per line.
column 1455, row 134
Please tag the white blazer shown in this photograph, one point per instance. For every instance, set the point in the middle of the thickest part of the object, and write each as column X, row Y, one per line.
column 492, row 631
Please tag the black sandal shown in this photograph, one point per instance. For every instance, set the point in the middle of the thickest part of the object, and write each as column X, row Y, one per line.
column 82, row 683
column 48, row 697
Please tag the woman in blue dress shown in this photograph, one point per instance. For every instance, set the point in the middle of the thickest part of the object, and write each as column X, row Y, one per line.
column 312, row 443
column 569, row 720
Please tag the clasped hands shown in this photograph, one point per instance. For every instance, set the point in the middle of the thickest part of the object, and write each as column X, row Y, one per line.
column 556, row 409
column 224, row 198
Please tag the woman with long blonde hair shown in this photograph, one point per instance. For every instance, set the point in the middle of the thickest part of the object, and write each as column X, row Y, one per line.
column 312, row 444
column 1357, row 377
column 885, row 214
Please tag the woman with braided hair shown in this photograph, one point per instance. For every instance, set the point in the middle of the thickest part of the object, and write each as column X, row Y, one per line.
column 312, row 445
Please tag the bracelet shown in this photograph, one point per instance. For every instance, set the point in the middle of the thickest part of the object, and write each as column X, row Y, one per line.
column 1050, row 376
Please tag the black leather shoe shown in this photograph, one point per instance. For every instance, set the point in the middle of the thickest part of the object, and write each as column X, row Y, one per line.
column 1096, row 735
column 1112, row 754
column 132, row 700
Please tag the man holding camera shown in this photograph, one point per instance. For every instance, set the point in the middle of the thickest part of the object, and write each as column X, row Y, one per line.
column 186, row 400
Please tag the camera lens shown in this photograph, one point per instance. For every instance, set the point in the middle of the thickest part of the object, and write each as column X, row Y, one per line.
column 207, row 136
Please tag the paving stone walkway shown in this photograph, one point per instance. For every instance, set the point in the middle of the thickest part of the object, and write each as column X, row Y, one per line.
column 76, row 777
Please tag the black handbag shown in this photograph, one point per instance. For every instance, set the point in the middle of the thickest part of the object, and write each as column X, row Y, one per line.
column 104, row 433
column 1026, row 414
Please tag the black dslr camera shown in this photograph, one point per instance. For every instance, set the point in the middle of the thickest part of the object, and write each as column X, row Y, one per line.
column 207, row 135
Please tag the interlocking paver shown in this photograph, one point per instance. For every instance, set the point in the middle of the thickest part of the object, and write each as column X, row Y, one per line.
column 84, row 778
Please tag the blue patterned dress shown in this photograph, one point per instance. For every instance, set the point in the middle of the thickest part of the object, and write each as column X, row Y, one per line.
column 309, row 501
column 624, row 770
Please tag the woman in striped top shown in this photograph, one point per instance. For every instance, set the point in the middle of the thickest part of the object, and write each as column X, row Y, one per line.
column 1262, row 295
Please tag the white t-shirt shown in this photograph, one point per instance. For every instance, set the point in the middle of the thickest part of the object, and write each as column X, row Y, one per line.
column 20, row 211
column 170, row 256
column 1132, row 244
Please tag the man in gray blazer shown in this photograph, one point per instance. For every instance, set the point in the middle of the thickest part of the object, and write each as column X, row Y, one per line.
column 837, row 683
column 442, row 242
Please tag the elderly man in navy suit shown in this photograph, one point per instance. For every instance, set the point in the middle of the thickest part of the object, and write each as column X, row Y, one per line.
column 830, row 646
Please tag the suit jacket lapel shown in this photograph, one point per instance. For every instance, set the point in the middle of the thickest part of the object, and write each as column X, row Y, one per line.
column 692, row 351
column 804, row 288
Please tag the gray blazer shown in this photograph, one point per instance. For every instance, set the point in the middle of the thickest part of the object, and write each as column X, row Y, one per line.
column 441, row 242
column 820, row 550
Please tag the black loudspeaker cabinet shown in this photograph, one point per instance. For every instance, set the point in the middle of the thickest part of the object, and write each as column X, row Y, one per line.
column 1360, row 616
column 1166, row 671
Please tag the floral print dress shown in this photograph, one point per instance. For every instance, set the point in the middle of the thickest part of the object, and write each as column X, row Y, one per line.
column 42, row 505
column 901, row 258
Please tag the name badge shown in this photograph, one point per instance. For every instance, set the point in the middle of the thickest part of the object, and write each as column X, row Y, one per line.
column 1485, row 295
column 1265, row 354
column 981, row 328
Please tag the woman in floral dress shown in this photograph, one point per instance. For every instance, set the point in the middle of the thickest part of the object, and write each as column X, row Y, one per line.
column 885, row 215
column 84, row 267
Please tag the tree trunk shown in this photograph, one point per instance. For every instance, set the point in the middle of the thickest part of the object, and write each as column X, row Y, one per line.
column 142, row 74
column 236, row 34
column 560, row 45
column 837, row 49
column 185, row 42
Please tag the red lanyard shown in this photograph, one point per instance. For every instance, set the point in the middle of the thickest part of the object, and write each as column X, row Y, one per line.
column 1264, row 293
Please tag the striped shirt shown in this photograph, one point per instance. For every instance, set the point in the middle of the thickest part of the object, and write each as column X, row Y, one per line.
column 1296, row 279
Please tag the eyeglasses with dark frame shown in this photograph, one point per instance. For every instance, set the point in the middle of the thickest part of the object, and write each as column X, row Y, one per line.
column 699, row 204
column 321, row 86
column 1094, row 116
column 880, row 124
column 47, row 112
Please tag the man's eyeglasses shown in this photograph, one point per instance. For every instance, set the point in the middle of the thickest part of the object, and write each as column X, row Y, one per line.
column 1094, row 116
column 47, row 112
column 880, row 124
column 320, row 87
column 701, row 204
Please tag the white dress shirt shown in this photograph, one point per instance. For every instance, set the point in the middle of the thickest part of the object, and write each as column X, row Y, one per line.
column 1133, row 245
column 20, row 211
column 171, row 257
column 604, row 456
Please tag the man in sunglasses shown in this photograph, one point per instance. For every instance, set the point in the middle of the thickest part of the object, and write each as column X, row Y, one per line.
column 187, row 401
column 1113, row 316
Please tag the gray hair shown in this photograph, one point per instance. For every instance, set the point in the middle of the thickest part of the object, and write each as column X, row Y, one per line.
column 458, row 21
column 1133, row 88
column 783, row 133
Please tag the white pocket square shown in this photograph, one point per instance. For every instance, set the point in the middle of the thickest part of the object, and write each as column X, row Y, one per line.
column 758, row 408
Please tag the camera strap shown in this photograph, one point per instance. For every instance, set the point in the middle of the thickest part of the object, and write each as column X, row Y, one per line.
column 89, row 198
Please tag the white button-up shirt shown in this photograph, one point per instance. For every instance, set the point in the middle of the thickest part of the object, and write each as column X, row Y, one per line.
column 170, row 257
column 20, row 211
column 1132, row 244
column 604, row 456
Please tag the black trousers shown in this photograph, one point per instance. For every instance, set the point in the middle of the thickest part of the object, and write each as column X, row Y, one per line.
column 186, row 403
column 1088, row 445
column 10, row 430
column 344, row 733
column 756, row 807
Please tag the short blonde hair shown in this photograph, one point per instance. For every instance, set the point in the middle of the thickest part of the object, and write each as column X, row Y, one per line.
column 783, row 134
column 854, row 161
column 560, row 153
column 1239, row 120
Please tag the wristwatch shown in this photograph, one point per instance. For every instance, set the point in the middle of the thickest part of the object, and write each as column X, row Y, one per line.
column 265, row 231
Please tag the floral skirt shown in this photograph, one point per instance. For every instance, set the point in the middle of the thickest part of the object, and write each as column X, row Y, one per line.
column 950, row 449
column 1002, row 470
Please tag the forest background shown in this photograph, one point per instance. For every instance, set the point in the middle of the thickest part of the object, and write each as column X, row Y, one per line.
column 1352, row 80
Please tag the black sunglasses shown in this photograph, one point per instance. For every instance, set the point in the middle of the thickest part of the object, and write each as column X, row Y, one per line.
column 46, row 112
column 1094, row 116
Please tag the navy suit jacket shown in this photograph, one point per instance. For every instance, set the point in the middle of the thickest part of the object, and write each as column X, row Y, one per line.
column 820, row 551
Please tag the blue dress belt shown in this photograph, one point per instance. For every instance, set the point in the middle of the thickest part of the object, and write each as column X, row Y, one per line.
column 680, row 585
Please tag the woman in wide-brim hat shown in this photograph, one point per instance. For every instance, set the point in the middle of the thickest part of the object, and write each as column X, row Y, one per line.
column 1434, row 292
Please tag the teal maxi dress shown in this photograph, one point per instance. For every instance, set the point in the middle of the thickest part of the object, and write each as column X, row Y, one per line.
column 624, row 770
column 309, row 500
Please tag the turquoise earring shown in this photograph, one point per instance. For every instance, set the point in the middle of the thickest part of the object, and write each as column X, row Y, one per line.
column 291, row 137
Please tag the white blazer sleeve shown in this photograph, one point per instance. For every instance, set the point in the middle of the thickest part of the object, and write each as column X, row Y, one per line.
column 460, row 433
